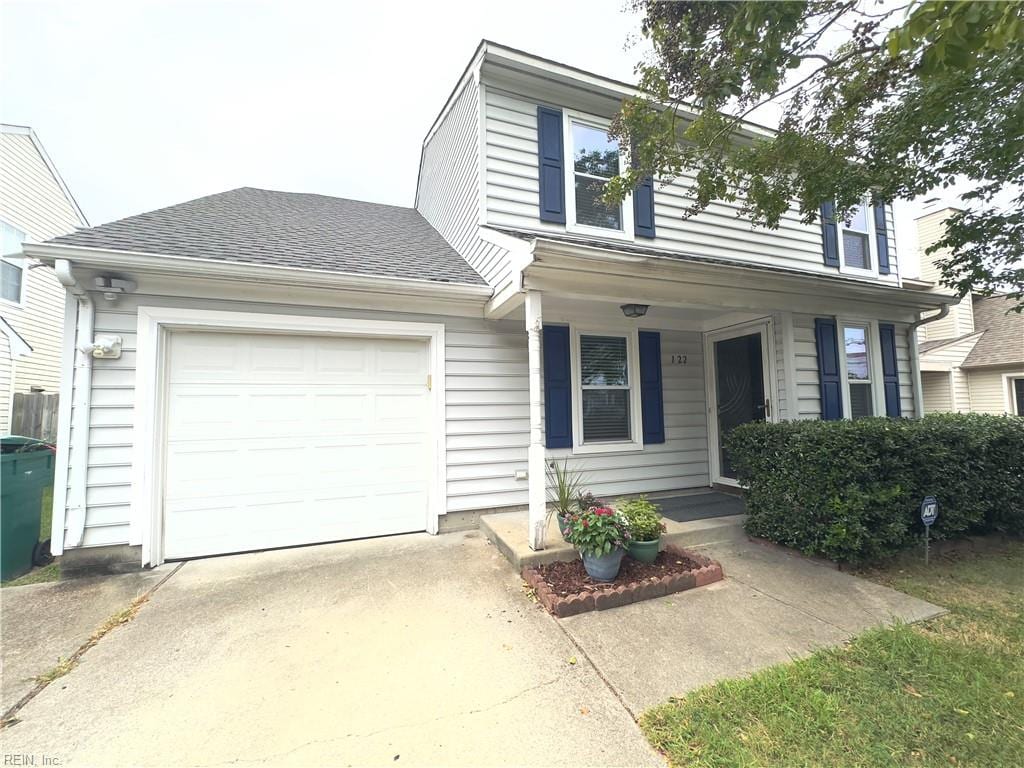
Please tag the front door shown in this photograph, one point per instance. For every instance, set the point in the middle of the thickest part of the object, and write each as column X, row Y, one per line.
column 738, row 388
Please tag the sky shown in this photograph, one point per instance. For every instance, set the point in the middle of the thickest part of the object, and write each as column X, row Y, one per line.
column 144, row 104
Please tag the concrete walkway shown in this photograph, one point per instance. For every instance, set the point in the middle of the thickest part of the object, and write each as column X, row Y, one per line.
column 772, row 607
column 411, row 650
column 40, row 624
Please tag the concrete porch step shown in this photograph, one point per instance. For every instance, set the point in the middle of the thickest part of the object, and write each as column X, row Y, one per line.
column 507, row 531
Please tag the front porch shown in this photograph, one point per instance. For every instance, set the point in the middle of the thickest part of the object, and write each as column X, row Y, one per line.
column 692, row 518
column 639, row 365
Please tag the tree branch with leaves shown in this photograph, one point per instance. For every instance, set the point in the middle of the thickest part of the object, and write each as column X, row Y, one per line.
column 876, row 100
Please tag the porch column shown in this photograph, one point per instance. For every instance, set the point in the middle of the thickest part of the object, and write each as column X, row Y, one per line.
column 537, row 477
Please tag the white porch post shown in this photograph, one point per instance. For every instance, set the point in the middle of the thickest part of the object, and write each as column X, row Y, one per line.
column 537, row 477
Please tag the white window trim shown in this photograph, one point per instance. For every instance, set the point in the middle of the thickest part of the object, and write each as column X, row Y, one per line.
column 627, row 232
column 872, row 244
column 154, row 325
column 1008, row 394
column 21, row 262
column 636, row 442
column 874, row 363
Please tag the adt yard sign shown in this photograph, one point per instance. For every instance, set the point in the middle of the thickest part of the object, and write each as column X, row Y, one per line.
column 929, row 514
column 929, row 510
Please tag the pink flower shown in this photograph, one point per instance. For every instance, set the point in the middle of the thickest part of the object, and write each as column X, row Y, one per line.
column 603, row 511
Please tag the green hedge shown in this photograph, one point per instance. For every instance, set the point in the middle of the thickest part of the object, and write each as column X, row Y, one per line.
column 851, row 490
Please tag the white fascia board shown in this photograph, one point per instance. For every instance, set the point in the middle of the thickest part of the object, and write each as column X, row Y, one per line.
column 153, row 263
column 613, row 264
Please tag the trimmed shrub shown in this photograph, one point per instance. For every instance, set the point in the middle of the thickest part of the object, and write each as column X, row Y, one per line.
column 851, row 490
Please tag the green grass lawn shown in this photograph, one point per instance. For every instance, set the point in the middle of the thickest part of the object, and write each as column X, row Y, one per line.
column 946, row 692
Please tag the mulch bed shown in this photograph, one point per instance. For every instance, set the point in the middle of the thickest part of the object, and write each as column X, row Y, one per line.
column 564, row 588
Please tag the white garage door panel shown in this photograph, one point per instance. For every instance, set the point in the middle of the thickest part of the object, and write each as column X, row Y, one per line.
column 282, row 440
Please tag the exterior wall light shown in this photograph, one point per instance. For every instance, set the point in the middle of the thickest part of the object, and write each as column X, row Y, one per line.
column 635, row 310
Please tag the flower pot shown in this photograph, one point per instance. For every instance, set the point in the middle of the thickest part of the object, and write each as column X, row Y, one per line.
column 563, row 526
column 644, row 551
column 603, row 567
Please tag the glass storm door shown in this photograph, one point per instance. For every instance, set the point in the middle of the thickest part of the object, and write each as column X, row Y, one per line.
column 739, row 389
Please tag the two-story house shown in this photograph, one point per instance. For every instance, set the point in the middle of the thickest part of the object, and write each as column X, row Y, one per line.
column 259, row 369
column 35, row 205
column 972, row 360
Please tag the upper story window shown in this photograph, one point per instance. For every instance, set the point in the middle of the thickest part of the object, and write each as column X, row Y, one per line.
column 857, row 239
column 595, row 158
column 12, row 264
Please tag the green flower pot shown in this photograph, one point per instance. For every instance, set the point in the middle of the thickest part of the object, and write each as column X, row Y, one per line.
column 563, row 526
column 644, row 551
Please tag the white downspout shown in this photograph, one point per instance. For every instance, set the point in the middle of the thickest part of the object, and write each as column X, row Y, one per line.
column 915, row 358
column 77, row 464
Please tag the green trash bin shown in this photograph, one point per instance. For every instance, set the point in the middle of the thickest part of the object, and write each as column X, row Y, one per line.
column 26, row 470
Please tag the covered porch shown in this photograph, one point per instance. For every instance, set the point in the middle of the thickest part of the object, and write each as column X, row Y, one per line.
column 638, row 365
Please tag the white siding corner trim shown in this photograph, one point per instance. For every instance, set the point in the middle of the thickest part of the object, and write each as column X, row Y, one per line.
column 154, row 323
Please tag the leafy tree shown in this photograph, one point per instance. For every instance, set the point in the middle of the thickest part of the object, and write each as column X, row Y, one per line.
column 914, row 97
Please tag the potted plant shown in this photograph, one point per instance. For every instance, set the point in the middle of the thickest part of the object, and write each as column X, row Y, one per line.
column 563, row 491
column 643, row 519
column 601, row 536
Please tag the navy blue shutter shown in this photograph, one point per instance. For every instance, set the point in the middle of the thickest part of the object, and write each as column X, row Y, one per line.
column 829, row 235
column 643, row 208
column 882, row 239
column 828, row 368
column 890, row 371
column 651, row 400
column 557, row 387
column 551, row 165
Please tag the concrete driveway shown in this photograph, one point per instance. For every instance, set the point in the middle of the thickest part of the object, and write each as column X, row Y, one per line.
column 408, row 650
column 421, row 650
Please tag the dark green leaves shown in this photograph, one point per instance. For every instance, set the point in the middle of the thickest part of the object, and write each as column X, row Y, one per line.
column 907, row 101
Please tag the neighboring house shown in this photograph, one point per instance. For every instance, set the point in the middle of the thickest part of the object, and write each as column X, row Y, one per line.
column 277, row 369
column 972, row 360
column 35, row 205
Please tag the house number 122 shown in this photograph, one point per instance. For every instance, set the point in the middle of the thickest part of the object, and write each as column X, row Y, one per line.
column 678, row 359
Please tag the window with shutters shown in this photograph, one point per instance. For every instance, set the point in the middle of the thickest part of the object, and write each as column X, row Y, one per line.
column 12, row 265
column 594, row 158
column 606, row 404
column 860, row 356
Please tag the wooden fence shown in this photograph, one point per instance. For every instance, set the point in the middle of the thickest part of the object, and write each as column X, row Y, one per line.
column 35, row 415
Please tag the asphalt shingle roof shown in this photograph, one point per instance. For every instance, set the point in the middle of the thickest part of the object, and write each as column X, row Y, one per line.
column 1003, row 340
column 286, row 229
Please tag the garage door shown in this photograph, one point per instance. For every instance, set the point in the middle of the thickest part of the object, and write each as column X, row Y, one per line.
column 278, row 440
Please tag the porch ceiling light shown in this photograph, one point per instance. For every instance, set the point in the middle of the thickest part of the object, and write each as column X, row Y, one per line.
column 635, row 310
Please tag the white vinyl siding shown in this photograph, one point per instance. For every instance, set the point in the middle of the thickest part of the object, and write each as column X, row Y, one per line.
column 935, row 387
column 512, row 200
column 31, row 200
column 807, row 382
column 947, row 359
column 486, row 409
column 448, row 189
column 682, row 460
column 990, row 390
column 5, row 384
column 486, row 415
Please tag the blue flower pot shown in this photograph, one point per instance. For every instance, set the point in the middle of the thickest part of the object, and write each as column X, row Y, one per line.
column 603, row 567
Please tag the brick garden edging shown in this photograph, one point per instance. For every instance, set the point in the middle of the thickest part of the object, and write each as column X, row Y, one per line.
column 623, row 594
